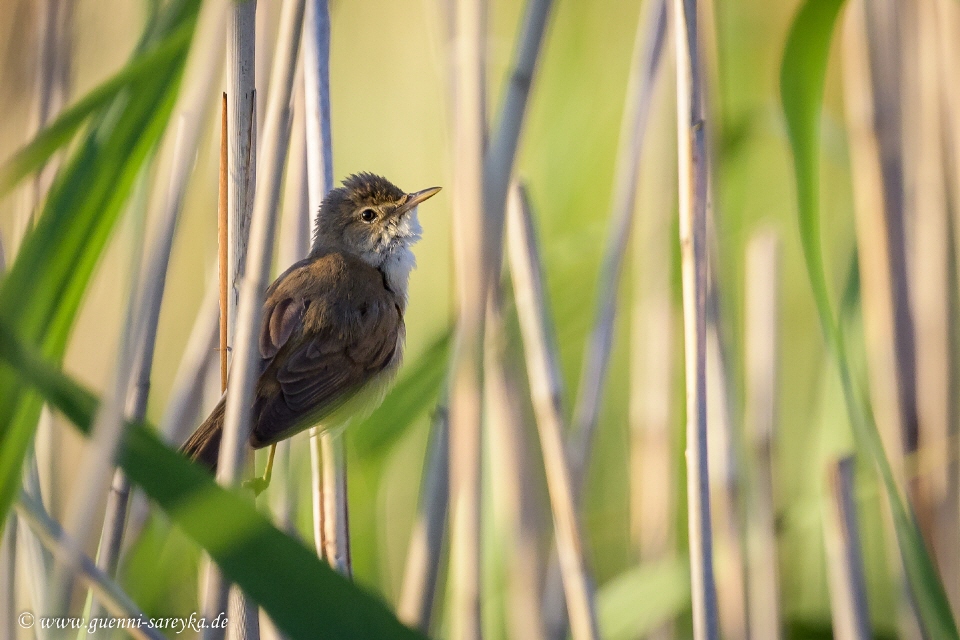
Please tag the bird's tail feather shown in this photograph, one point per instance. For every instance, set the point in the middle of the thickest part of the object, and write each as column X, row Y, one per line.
column 204, row 445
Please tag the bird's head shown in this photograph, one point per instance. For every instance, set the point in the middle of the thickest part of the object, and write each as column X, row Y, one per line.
column 371, row 218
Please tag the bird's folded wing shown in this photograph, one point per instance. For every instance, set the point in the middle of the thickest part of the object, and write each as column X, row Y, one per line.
column 322, row 348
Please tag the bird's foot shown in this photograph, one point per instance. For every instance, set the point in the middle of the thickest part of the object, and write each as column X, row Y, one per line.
column 257, row 485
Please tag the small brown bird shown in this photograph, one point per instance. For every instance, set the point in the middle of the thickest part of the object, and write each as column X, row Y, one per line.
column 332, row 333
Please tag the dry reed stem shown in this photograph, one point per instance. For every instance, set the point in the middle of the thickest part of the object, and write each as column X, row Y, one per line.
column 38, row 560
column 513, row 516
column 692, row 162
column 471, row 257
column 653, row 346
column 114, row 599
column 233, row 450
column 726, row 469
column 545, row 387
column 241, row 128
column 420, row 576
column 223, row 242
column 761, row 340
column 931, row 268
column 331, row 512
column 648, row 50
column 502, row 151
column 848, row 588
column 884, row 45
column 947, row 20
column 878, row 288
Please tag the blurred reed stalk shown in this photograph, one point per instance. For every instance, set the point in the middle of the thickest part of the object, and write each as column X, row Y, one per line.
column 693, row 168
column 848, row 588
column 54, row 70
column 37, row 560
column 186, row 395
column 932, row 267
column 54, row 57
column 199, row 75
column 471, row 261
column 545, row 387
column 761, row 362
column 648, row 50
column 653, row 345
column 96, row 466
column 727, row 482
column 514, row 513
column 947, row 24
column 880, row 86
column 233, row 450
column 418, row 591
column 874, row 129
column 329, row 461
column 116, row 602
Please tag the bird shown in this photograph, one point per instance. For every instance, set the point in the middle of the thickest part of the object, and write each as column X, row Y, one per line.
column 332, row 331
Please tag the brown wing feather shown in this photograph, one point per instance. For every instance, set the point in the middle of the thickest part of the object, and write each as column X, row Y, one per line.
column 329, row 326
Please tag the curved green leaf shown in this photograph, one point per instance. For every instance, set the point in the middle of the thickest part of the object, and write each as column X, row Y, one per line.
column 802, row 75
column 304, row 597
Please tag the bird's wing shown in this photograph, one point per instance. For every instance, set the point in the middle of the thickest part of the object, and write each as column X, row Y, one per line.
column 325, row 338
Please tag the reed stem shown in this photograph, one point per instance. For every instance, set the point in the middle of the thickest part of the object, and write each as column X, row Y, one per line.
column 848, row 586
column 545, row 386
column 420, row 577
column 692, row 162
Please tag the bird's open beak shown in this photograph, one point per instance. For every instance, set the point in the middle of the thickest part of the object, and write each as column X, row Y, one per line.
column 413, row 199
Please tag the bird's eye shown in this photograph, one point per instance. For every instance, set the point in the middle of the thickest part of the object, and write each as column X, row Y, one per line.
column 368, row 215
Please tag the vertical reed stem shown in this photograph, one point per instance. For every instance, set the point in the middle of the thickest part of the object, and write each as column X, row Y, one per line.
column 233, row 450
column 848, row 586
column 692, row 162
column 471, row 261
column 761, row 377
column 415, row 606
column 223, row 241
column 543, row 371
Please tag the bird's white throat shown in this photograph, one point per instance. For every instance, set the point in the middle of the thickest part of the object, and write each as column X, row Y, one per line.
column 393, row 254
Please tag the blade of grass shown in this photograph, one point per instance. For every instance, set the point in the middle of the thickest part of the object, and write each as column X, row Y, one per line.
column 302, row 595
column 802, row 77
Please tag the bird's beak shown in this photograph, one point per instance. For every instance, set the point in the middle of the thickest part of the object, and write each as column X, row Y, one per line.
column 413, row 199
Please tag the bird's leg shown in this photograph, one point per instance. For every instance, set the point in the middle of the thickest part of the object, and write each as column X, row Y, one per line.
column 259, row 485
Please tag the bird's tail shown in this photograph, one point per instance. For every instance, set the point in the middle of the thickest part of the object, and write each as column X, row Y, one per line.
column 204, row 445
